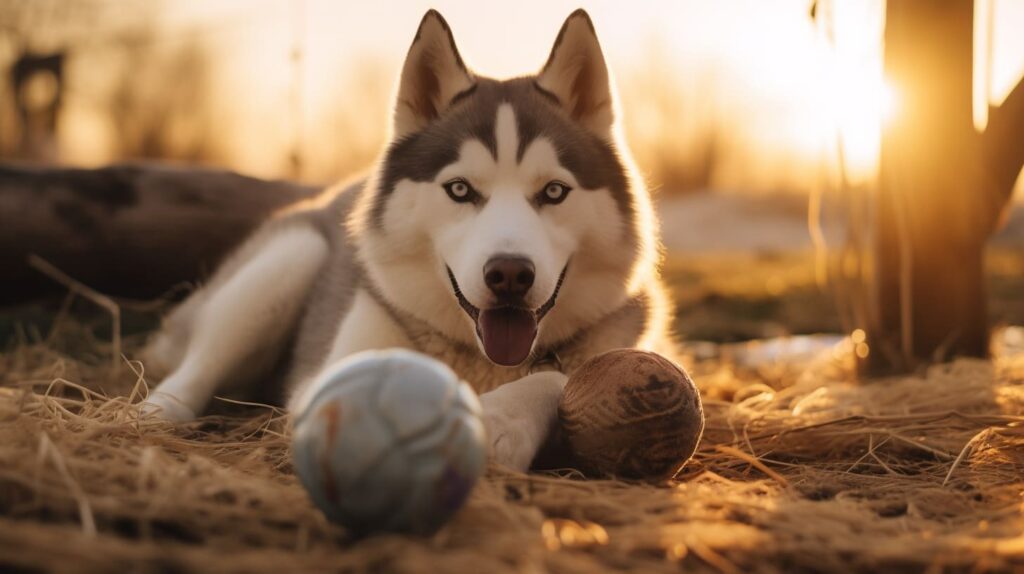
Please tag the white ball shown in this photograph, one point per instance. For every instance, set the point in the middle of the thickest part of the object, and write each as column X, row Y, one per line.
column 391, row 441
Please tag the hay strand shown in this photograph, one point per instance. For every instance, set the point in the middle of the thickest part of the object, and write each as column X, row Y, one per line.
column 801, row 468
column 75, row 286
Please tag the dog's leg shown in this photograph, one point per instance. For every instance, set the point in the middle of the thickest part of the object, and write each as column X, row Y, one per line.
column 519, row 417
column 239, row 328
column 166, row 348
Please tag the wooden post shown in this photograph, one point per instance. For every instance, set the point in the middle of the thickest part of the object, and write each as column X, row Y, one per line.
column 939, row 196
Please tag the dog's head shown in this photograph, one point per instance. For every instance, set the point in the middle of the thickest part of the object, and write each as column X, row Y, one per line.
column 503, row 212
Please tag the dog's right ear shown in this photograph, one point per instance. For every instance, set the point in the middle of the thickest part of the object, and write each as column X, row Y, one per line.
column 433, row 75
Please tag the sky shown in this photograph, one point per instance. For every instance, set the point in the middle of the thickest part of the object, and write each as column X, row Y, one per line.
column 760, row 70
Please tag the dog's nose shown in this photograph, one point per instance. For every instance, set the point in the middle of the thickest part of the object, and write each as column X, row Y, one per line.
column 509, row 277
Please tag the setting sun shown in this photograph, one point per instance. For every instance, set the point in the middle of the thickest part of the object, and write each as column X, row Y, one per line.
column 862, row 105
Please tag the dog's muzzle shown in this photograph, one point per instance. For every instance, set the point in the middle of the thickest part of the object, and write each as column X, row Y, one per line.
column 507, row 332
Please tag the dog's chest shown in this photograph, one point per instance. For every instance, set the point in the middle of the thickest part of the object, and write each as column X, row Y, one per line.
column 467, row 362
column 473, row 367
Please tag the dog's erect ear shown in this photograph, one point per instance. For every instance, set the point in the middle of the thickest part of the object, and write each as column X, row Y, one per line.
column 432, row 76
column 576, row 73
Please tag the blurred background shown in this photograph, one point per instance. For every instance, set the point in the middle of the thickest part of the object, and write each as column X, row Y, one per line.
column 741, row 113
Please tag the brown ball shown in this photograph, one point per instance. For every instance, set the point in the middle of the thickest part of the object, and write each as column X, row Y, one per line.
column 631, row 414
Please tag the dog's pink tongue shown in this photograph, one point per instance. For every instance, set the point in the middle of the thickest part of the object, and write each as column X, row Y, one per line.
column 507, row 334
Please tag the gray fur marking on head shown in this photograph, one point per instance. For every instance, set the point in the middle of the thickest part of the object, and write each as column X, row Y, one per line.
column 419, row 156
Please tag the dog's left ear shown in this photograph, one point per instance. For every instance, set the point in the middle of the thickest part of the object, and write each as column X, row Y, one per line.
column 576, row 73
column 432, row 76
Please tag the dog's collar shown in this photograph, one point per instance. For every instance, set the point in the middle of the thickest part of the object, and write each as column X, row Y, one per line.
column 549, row 361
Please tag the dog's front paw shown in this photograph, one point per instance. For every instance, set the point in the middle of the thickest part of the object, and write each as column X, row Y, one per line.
column 511, row 440
column 519, row 416
column 166, row 407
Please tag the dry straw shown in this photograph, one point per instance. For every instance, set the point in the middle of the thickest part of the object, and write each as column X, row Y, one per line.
column 801, row 468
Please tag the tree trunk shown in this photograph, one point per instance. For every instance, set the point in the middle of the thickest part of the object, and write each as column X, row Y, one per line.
column 941, row 189
column 130, row 230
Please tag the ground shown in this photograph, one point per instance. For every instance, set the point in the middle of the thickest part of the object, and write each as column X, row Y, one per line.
column 802, row 466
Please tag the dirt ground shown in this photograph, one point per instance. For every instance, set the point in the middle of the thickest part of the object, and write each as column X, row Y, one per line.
column 802, row 467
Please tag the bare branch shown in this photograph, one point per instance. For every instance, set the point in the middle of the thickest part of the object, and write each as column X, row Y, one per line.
column 75, row 286
column 1004, row 143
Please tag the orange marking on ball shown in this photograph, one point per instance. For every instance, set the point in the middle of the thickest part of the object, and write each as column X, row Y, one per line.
column 331, row 412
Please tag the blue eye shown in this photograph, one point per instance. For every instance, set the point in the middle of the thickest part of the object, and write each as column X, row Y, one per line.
column 460, row 191
column 554, row 192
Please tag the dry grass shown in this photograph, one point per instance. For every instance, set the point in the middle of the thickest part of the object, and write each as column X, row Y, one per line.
column 728, row 297
column 801, row 469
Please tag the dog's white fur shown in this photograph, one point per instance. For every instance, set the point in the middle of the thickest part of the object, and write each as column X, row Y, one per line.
column 382, row 283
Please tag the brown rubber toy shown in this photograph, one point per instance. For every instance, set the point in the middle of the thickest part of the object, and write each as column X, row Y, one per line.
column 631, row 414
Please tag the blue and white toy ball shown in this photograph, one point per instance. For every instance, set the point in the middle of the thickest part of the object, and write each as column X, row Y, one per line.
column 391, row 442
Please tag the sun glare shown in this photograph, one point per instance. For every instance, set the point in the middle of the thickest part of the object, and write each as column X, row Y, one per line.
column 862, row 104
column 889, row 101
column 734, row 95
column 857, row 99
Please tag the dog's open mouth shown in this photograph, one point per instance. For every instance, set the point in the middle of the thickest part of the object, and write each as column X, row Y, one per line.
column 506, row 332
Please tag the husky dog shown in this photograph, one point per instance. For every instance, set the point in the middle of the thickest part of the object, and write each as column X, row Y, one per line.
column 501, row 232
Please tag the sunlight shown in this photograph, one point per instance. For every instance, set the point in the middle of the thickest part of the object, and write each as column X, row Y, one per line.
column 740, row 94
column 889, row 101
column 863, row 103
column 857, row 99
column 983, row 38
